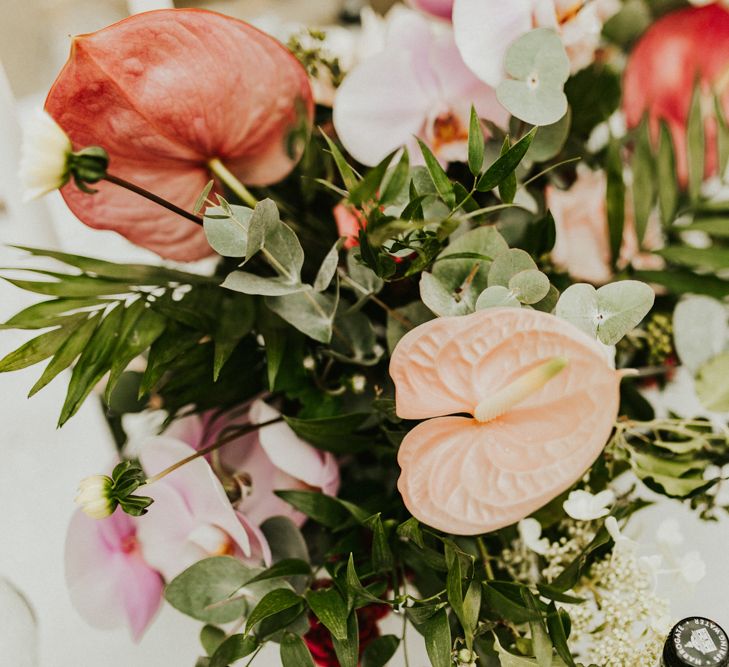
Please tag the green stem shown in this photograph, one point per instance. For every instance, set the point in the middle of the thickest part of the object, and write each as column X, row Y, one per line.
column 483, row 550
column 253, row 657
column 229, row 179
column 375, row 299
column 238, row 432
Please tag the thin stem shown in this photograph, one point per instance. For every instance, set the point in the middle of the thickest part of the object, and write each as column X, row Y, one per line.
column 375, row 299
column 225, row 175
column 253, row 657
column 153, row 198
column 243, row 430
column 483, row 550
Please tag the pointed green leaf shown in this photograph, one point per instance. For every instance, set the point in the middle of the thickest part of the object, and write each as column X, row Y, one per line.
column 329, row 607
column 475, row 144
column 666, row 176
column 294, row 652
column 278, row 600
column 695, row 144
column 507, row 187
column 506, row 164
column 346, row 172
column 615, row 198
column 440, row 179
column 37, row 349
column 232, row 649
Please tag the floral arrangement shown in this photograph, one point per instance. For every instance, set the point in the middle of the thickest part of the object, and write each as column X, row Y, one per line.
column 464, row 258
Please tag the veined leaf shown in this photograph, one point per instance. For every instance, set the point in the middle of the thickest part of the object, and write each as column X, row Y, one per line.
column 615, row 198
column 475, row 144
column 39, row 348
column 506, row 164
column 440, row 179
column 348, row 175
column 507, row 187
column 695, row 144
column 279, row 599
column 643, row 180
column 666, row 176
column 294, row 652
column 329, row 607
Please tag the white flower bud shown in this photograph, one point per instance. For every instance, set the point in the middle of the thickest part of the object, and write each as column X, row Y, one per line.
column 44, row 157
column 582, row 505
column 93, row 496
column 466, row 658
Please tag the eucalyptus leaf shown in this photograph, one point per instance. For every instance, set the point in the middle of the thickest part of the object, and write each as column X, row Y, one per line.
column 497, row 296
column 712, row 383
column 700, row 330
column 310, row 312
column 509, row 264
column 363, row 275
column 529, row 286
column 228, row 235
column 251, row 283
column 261, row 224
column 550, row 140
column 328, row 268
column 539, row 67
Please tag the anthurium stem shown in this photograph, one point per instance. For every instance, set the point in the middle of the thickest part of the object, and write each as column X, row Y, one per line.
column 153, row 198
column 229, row 179
column 234, row 435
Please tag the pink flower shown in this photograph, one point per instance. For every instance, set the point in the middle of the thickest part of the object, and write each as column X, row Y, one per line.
column 191, row 517
column 109, row 582
column 485, row 29
column 419, row 86
column 165, row 92
column 271, row 459
column 583, row 244
column 349, row 222
column 677, row 50
column 442, row 9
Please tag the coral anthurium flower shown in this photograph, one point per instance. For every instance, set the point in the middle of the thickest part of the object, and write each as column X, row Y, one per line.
column 679, row 49
column 109, row 582
column 167, row 93
column 543, row 398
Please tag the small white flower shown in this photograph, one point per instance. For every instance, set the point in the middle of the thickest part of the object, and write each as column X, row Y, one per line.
column 530, row 531
column 309, row 363
column 621, row 541
column 585, row 506
column 93, row 496
column 669, row 533
column 692, row 567
column 44, row 156
column 359, row 383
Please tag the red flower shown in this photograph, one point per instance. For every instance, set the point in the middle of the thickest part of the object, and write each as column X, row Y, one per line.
column 350, row 221
column 165, row 92
column 677, row 50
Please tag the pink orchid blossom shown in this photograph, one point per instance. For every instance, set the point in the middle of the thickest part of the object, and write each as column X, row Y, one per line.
column 191, row 517
column 583, row 245
column 109, row 581
column 679, row 49
column 165, row 93
column 442, row 9
column 419, row 86
column 270, row 459
column 485, row 29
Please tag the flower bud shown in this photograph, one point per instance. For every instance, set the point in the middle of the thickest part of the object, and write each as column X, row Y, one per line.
column 94, row 496
column 44, row 157
column 466, row 658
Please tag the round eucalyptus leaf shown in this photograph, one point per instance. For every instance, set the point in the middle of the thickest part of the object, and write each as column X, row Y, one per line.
column 529, row 286
column 712, row 384
column 497, row 297
column 550, row 139
column 538, row 66
column 508, row 264
column 227, row 235
column 700, row 330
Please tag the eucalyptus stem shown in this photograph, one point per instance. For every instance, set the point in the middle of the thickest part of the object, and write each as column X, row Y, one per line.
column 375, row 299
column 153, row 198
column 238, row 432
column 225, row 175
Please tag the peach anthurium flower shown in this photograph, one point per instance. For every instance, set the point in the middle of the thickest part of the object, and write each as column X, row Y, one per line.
column 677, row 50
column 165, row 93
column 543, row 400
column 418, row 86
column 485, row 29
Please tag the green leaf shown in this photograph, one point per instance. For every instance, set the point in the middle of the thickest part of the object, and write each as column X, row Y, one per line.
column 200, row 201
column 382, row 560
column 615, row 198
column 236, row 320
column 529, row 286
column 539, row 67
column 410, row 530
column 211, row 637
column 94, row 362
column 558, row 634
column 609, row 312
column 712, row 383
column 686, row 282
column 322, row 508
column 139, row 332
column 398, row 180
column 228, row 235
column 333, row 434
column 442, row 183
column 252, row 283
column 550, row 140
column 173, row 343
column 262, row 223
column 347, row 650
column 714, row 258
column 695, row 144
column 37, row 349
column 346, row 172
column 541, row 642
column 497, row 296
column 500, row 170
column 51, row 313
column 284, row 539
column 644, row 190
column 504, row 600
column 509, row 264
column 379, row 652
column 700, row 330
column 68, row 286
column 507, row 187
column 276, row 601
column 283, row 568
column 328, row 268
column 232, row 649
column 402, row 320
column 310, row 312
column 722, row 135
column 366, row 189
column 329, row 607
column 203, row 590
column 294, row 652
column 476, row 144
column 67, row 353
column 363, row 275
column 437, row 634
column 666, row 176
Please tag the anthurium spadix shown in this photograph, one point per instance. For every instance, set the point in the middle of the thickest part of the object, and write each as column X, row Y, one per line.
column 543, row 399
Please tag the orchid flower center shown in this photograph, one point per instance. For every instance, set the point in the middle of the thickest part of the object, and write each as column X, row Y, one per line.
column 569, row 10
column 520, row 389
column 129, row 544
column 446, row 129
column 212, row 540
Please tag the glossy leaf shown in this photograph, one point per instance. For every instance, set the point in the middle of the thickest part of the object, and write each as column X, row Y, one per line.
column 506, row 164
